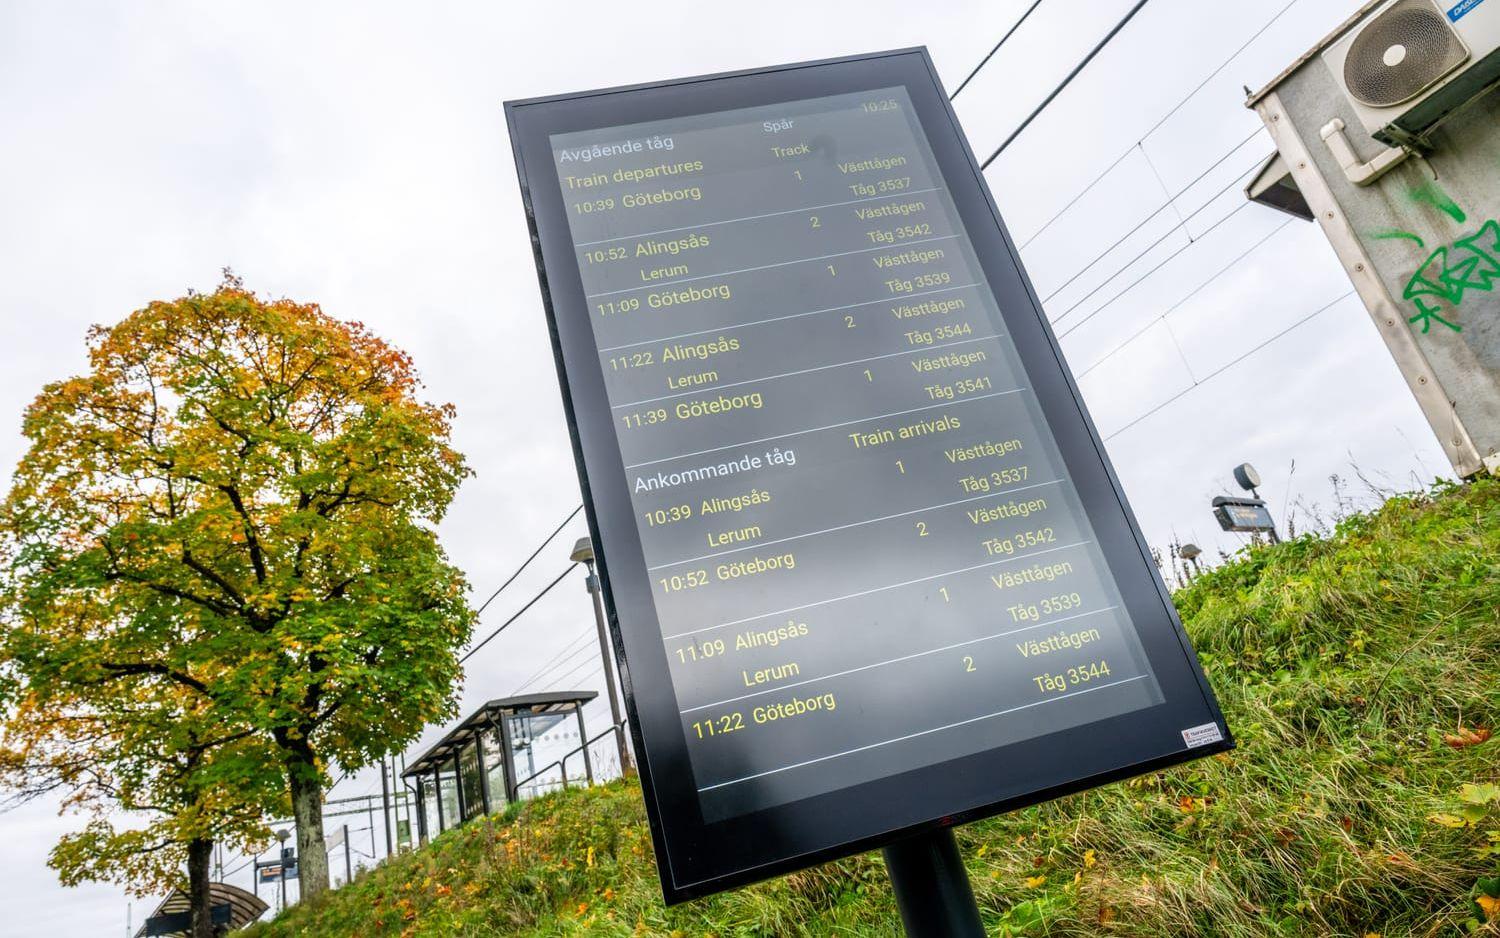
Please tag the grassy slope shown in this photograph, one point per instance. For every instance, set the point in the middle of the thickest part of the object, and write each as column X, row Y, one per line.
column 1341, row 664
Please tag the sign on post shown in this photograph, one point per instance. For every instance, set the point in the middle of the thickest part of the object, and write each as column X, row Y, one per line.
column 1242, row 514
column 868, row 571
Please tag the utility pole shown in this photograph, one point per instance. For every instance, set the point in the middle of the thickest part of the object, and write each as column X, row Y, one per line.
column 583, row 552
column 348, row 859
column 385, row 806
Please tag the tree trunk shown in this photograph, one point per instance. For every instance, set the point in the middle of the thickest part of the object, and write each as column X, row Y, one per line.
column 200, row 902
column 307, row 811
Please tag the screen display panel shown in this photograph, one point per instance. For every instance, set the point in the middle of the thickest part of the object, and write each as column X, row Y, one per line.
column 855, row 527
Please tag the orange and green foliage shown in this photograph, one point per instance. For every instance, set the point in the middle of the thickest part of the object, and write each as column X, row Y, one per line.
column 238, row 502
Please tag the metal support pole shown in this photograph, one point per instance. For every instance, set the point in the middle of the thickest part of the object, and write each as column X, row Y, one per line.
column 508, row 745
column 283, row 883
column 458, row 789
column 932, row 887
column 411, row 825
column 437, row 795
column 607, row 657
column 484, row 776
column 348, row 858
column 373, row 848
column 385, row 808
column 583, row 738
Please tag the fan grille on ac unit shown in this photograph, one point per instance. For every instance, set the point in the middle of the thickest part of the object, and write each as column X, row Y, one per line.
column 1402, row 52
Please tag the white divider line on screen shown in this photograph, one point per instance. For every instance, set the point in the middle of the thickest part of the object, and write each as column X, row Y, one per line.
column 760, row 545
column 761, row 322
column 790, row 211
column 878, row 589
column 936, row 729
column 920, row 350
column 831, row 426
column 881, row 664
column 751, row 270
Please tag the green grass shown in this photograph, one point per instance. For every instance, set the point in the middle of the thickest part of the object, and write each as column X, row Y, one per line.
column 1348, row 668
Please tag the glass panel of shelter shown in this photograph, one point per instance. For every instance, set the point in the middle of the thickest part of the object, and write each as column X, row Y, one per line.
column 539, row 740
column 448, row 814
column 494, row 768
column 493, row 764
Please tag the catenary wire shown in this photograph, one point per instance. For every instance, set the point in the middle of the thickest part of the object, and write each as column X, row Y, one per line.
column 567, row 652
column 562, row 678
column 1191, row 293
column 1162, row 208
column 511, row 579
column 1143, row 277
column 573, row 652
column 1157, row 126
column 504, row 625
column 982, row 62
column 1108, row 37
column 1230, row 364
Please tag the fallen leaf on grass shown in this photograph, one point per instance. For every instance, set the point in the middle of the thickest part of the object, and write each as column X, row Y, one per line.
column 1490, row 906
column 1466, row 736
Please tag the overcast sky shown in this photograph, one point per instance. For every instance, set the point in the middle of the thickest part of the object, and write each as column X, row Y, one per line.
column 356, row 155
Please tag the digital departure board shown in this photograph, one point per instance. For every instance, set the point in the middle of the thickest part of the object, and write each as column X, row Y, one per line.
column 866, row 566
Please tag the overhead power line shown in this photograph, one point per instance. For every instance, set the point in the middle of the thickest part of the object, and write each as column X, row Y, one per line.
column 1140, row 142
column 566, row 656
column 562, row 678
column 512, row 578
column 1191, row 293
column 504, row 625
column 1230, row 364
column 1108, row 37
column 1171, row 200
column 1143, row 277
column 982, row 62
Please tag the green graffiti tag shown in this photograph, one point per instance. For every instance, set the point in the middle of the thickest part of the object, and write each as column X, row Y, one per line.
column 1430, row 193
column 1452, row 272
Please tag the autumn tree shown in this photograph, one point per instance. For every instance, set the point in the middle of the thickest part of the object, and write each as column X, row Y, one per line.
column 77, row 732
column 250, row 489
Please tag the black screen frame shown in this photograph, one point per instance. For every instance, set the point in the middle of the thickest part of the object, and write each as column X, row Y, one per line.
column 697, row 859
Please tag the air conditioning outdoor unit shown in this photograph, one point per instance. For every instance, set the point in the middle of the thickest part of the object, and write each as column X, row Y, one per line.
column 1410, row 63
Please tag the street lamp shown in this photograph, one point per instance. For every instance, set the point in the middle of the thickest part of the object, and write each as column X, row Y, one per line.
column 1190, row 553
column 583, row 552
column 282, row 835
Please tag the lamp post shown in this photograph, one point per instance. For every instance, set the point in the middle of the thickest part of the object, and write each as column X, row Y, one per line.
column 283, row 835
column 583, row 552
column 1190, row 553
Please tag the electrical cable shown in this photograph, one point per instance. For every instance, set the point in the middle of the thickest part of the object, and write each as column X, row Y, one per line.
column 553, row 669
column 982, row 62
column 523, row 566
column 1157, row 126
column 1223, row 368
column 545, row 590
column 569, row 650
column 1143, row 277
column 563, row 678
column 1162, row 208
column 1065, row 82
column 1177, row 305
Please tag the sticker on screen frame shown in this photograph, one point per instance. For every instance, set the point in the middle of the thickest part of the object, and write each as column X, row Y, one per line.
column 1202, row 735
